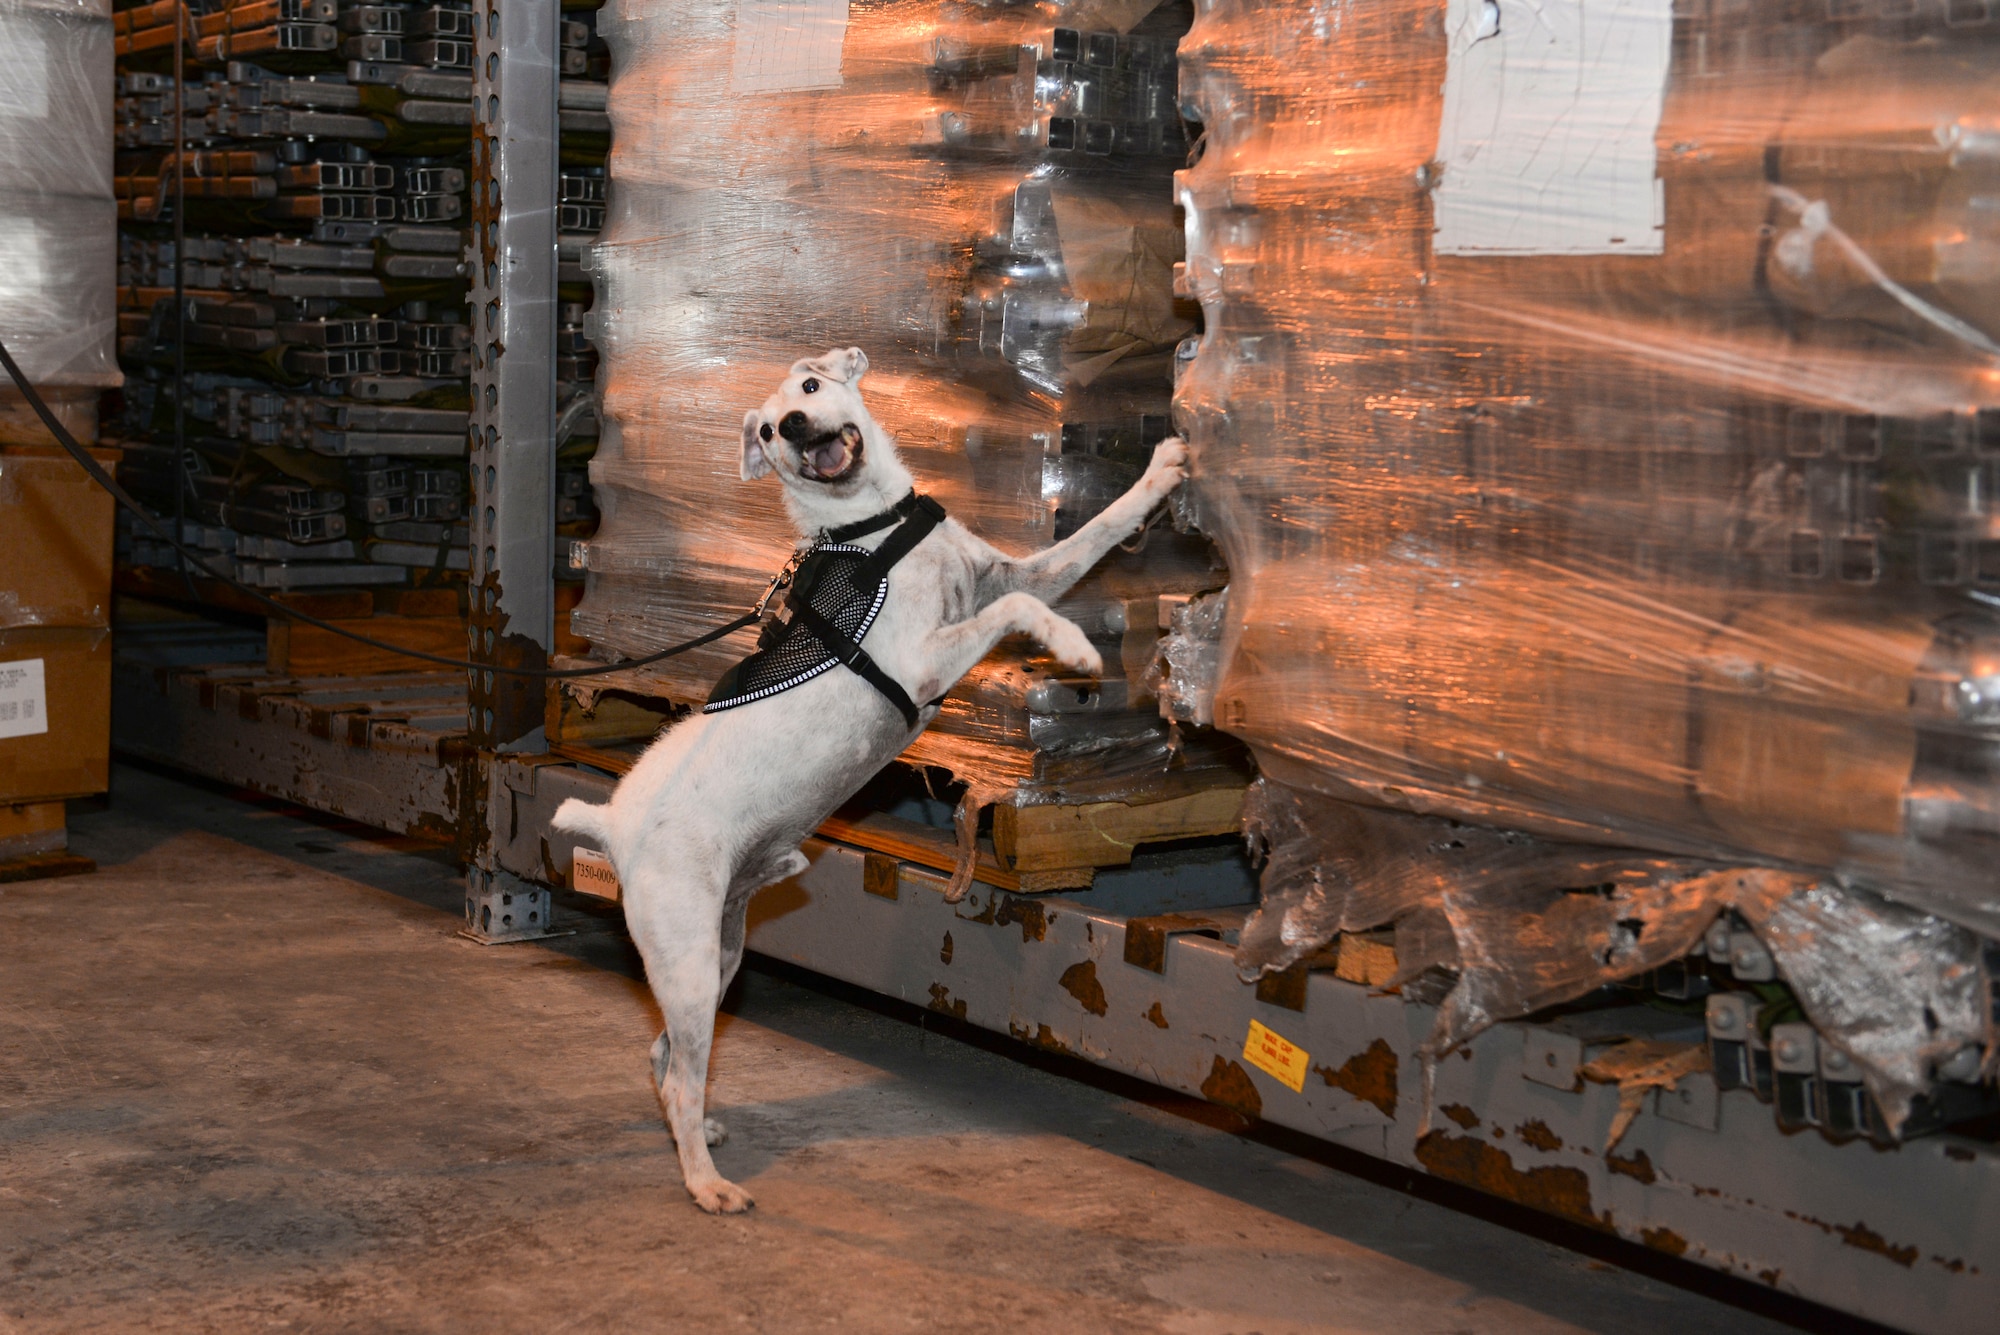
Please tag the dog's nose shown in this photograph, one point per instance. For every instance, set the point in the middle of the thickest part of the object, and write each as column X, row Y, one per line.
column 794, row 427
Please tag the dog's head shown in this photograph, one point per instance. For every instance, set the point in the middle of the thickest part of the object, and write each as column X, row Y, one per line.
column 815, row 433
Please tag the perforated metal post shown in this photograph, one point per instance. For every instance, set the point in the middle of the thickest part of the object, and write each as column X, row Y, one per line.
column 512, row 263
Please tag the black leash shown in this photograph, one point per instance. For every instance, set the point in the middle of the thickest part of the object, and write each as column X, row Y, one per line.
column 124, row 498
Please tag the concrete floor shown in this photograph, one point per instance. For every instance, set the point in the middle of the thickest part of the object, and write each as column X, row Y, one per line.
column 251, row 1079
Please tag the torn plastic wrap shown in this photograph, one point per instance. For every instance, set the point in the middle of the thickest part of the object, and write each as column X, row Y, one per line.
column 980, row 198
column 1902, row 993
column 1602, row 435
column 58, row 218
column 1500, row 925
column 1189, row 658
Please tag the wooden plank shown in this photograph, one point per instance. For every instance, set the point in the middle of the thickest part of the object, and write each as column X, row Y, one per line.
column 45, row 866
column 904, row 840
column 613, row 718
column 1104, row 834
column 441, row 602
column 598, row 757
column 907, row 841
column 18, row 820
column 295, row 650
column 1368, row 958
column 568, row 642
column 167, row 586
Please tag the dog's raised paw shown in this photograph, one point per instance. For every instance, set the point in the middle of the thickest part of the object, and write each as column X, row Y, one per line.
column 1072, row 648
column 713, row 1131
column 720, row 1197
column 1170, row 456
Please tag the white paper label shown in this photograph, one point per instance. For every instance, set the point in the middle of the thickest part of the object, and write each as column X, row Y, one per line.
column 1550, row 113
column 24, row 699
column 786, row 45
column 24, row 73
column 591, row 873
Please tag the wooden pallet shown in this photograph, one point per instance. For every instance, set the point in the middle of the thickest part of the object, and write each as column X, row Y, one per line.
column 903, row 840
column 1033, row 849
column 427, row 620
column 28, row 829
column 43, row 867
column 1056, row 846
column 611, row 717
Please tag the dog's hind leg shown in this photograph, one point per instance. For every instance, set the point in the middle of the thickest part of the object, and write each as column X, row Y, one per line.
column 778, row 865
column 712, row 1129
column 783, row 867
column 680, row 936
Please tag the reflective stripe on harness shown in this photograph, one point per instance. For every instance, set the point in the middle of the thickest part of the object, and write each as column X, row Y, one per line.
column 851, row 582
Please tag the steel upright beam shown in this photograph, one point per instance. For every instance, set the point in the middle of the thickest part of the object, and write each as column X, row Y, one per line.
column 513, row 309
column 513, row 271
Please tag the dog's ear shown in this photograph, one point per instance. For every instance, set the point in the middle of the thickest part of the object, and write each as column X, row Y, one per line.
column 846, row 365
column 756, row 463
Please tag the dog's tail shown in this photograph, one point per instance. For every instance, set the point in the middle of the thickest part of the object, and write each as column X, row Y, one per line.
column 581, row 817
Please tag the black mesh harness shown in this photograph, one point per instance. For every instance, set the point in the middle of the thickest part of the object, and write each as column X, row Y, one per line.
column 836, row 590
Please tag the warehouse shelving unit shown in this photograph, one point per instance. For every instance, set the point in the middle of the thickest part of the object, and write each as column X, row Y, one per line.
column 1134, row 973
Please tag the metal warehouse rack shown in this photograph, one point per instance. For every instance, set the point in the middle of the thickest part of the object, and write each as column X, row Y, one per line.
column 1134, row 974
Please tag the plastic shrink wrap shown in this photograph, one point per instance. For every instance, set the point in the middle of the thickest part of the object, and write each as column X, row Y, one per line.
column 1601, row 422
column 58, row 220
column 979, row 196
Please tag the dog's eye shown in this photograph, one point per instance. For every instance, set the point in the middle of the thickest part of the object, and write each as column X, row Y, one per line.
column 764, row 431
column 810, row 386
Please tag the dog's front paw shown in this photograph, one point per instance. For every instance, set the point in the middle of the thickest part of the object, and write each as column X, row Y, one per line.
column 713, row 1131
column 1169, row 467
column 1072, row 648
column 721, row 1197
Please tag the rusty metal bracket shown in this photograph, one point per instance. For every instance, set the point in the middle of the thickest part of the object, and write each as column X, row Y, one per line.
column 1146, row 938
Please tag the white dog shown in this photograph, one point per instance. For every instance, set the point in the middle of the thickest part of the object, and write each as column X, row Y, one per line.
column 717, row 807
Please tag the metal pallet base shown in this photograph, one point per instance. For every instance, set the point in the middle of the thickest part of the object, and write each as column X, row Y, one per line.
column 1899, row 1236
column 388, row 751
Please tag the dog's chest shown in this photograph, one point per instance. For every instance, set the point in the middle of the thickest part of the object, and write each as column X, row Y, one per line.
column 936, row 585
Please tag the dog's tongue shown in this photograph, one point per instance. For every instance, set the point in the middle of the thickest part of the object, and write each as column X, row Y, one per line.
column 836, row 456
column 829, row 459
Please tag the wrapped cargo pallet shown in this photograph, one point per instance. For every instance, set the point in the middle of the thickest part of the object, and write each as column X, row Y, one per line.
column 58, row 255
column 980, row 198
column 1599, row 410
column 58, row 221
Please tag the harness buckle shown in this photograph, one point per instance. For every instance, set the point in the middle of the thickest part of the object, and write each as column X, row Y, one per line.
column 783, row 579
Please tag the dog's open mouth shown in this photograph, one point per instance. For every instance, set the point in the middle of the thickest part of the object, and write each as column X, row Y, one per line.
column 832, row 457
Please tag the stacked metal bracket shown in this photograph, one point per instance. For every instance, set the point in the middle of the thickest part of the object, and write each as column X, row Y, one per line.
column 318, row 153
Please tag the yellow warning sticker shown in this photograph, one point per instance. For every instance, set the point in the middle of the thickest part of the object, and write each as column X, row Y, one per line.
column 1276, row 1056
column 591, row 873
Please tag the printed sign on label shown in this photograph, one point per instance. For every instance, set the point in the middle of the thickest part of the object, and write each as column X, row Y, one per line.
column 24, row 71
column 1546, row 138
column 591, row 873
column 785, row 46
column 1277, row 1057
column 24, row 699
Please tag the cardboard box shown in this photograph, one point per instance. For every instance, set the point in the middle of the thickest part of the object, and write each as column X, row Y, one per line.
column 55, row 713
column 58, row 527
column 75, row 408
column 28, row 828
